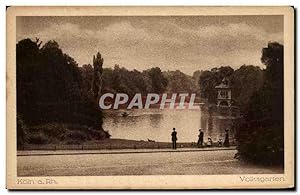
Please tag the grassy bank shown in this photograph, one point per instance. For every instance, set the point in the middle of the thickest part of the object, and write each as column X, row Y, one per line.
column 52, row 134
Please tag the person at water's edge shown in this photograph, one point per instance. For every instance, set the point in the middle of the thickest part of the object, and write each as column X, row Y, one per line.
column 226, row 141
column 174, row 138
column 200, row 139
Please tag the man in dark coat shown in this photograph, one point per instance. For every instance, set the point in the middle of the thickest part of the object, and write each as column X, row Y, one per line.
column 226, row 141
column 200, row 138
column 174, row 138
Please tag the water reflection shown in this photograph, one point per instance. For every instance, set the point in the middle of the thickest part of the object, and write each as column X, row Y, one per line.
column 155, row 120
column 215, row 120
column 156, row 124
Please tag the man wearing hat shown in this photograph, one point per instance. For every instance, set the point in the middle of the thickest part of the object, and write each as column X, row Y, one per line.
column 200, row 138
column 226, row 141
column 174, row 138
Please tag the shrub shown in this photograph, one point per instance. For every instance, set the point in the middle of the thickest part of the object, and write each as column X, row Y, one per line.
column 39, row 138
column 77, row 135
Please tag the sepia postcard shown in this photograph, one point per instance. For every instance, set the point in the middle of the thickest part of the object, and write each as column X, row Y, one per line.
column 150, row 97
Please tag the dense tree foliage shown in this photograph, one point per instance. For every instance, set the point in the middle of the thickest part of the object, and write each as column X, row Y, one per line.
column 98, row 73
column 244, row 82
column 261, row 135
column 153, row 80
column 210, row 79
column 179, row 82
column 50, row 88
column 158, row 82
column 121, row 80
column 87, row 73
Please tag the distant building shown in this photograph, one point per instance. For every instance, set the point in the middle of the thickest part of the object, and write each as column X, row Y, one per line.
column 224, row 94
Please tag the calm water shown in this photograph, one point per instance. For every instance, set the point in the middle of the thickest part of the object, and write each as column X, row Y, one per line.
column 156, row 124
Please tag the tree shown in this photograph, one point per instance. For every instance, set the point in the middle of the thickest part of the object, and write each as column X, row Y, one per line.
column 50, row 89
column 87, row 73
column 98, row 71
column 28, row 61
column 272, row 57
column 178, row 82
column 244, row 82
column 158, row 81
column 196, row 76
column 261, row 135
column 210, row 79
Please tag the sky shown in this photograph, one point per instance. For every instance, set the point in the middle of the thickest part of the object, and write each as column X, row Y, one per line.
column 185, row 43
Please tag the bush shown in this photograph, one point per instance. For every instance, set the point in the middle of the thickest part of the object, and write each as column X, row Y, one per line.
column 262, row 146
column 64, row 133
column 38, row 139
column 73, row 142
column 77, row 135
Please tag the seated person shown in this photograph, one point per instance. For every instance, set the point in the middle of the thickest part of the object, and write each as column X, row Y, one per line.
column 209, row 142
column 220, row 141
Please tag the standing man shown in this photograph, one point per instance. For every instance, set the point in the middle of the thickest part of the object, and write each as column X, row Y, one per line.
column 200, row 138
column 226, row 141
column 174, row 138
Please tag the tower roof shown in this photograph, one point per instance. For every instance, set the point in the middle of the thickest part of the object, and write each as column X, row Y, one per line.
column 222, row 86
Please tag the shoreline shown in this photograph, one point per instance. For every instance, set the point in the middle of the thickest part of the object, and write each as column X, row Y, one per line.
column 118, row 151
column 115, row 144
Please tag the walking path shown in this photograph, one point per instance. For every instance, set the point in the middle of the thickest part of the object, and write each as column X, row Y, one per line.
column 159, row 162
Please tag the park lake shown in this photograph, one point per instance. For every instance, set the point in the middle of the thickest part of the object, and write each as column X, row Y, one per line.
column 156, row 124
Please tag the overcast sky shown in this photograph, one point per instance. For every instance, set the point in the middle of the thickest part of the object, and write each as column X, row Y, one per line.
column 184, row 43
